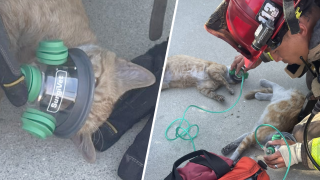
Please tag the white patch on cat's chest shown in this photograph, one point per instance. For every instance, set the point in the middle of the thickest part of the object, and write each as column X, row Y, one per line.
column 167, row 77
column 200, row 75
column 183, row 74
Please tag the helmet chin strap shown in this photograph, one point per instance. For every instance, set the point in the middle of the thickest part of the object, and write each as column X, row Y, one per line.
column 290, row 16
column 312, row 72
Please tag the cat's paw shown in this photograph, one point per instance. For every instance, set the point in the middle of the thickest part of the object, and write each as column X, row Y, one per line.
column 263, row 96
column 231, row 91
column 265, row 83
column 164, row 86
column 219, row 98
column 228, row 148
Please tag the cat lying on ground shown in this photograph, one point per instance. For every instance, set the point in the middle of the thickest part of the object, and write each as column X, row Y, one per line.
column 29, row 22
column 185, row 71
column 282, row 113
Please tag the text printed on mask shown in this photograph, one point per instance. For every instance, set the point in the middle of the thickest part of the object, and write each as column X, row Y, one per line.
column 58, row 91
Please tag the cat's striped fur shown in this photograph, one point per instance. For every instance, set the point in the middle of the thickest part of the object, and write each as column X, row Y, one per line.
column 185, row 71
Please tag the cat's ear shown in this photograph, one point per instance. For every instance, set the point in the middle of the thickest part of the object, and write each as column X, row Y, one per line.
column 84, row 144
column 132, row 76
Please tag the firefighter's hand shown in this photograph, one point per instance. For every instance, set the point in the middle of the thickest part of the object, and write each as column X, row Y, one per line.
column 275, row 159
column 239, row 62
column 281, row 156
column 281, row 142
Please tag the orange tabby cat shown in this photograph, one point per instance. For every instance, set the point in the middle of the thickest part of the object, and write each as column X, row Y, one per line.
column 185, row 71
column 29, row 22
column 282, row 113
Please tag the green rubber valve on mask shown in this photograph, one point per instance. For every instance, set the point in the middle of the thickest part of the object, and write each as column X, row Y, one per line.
column 237, row 78
column 52, row 52
column 36, row 122
column 33, row 81
column 270, row 149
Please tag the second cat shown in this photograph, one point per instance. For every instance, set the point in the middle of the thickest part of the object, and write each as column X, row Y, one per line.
column 282, row 113
column 185, row 71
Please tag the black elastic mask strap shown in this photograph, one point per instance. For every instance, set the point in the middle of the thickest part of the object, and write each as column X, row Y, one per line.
column 290, row 16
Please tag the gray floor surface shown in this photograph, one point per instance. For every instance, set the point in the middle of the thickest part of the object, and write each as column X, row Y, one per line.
column 121, row 26
column 216, row 130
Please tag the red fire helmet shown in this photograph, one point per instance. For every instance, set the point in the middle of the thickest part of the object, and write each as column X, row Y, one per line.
column 237, row 21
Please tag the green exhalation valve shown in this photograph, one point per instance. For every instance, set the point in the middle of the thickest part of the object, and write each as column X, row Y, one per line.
column 276, row 137
column 33, row 81
column 238, row 77
column 52, row 52
column 38, row 123
column 270, row 150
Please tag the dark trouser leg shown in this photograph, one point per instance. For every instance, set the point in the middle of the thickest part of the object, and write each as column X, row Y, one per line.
column 132, row 163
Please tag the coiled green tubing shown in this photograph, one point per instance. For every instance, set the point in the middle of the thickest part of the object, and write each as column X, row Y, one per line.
column 185, row 131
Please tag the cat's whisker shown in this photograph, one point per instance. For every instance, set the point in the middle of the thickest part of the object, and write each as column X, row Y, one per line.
column 94, row 136
column 81, row 145
column 100, row 133
column 95, row 126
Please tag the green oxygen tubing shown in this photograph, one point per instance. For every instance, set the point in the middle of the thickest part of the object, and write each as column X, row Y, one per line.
column 182, row 132
column 255, row 135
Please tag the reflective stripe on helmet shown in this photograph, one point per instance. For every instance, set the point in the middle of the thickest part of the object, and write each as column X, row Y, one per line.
column 298, row 12
column 266, row 57
column 270, row 56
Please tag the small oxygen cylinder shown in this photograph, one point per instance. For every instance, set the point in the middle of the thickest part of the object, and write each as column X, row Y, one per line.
column 270, row 149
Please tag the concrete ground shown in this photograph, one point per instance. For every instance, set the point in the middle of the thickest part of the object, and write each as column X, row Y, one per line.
column 121, row 26
column 216, row 130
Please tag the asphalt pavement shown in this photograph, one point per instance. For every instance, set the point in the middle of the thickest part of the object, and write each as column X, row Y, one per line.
column 121, row 26
column 216, row 130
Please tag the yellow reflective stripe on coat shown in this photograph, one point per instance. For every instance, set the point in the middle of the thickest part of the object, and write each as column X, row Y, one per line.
column 315, row 151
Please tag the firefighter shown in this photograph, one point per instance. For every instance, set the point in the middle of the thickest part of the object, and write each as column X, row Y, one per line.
column 276, row 30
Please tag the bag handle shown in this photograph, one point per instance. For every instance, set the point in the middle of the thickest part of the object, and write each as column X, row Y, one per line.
column 218, row 165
